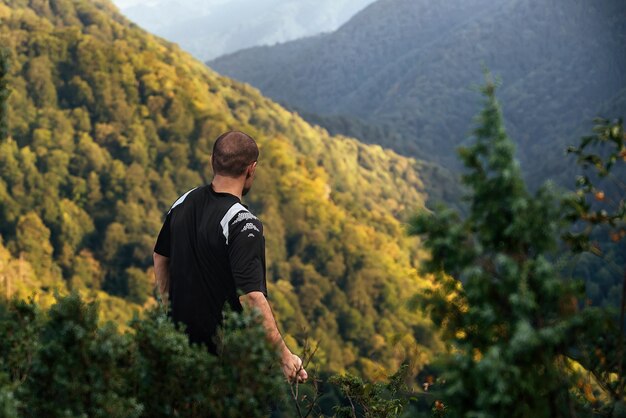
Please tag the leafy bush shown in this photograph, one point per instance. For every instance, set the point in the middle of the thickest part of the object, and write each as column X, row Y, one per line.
column 64, row 363
column 372, row 400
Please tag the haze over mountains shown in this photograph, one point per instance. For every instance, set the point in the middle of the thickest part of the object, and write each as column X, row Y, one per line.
column 210, row 28
column 400, row 73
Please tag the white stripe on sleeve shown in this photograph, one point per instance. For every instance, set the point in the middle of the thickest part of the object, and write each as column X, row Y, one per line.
column 234, row 209
column 181, row 199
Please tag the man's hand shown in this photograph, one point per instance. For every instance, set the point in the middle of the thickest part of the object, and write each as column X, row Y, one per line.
column 292, row 368
column 291, row 364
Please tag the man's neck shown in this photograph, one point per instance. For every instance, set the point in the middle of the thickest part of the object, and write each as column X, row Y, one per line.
column 234, row 186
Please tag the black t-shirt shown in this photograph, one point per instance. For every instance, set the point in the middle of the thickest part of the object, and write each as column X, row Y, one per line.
column 216, row 250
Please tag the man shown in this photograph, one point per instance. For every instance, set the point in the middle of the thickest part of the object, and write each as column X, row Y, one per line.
column 211, row 248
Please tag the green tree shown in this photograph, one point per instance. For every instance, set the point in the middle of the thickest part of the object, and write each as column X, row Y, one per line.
column 20, row 325
column 63, row 362
column 33, row 241
column 40, row 81
column 372, row 400
column 86, row 272
column 499, row 299
column 140, row 285
column 79, row 368
column 598, row 210
column 4, row 92
column 175, row 378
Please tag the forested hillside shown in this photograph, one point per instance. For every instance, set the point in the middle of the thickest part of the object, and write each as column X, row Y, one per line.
column 407, row 68
column 108, row 125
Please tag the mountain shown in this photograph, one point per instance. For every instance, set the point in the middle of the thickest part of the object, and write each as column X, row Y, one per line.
column 408, row 67
column 211, row 28
column 108, row 125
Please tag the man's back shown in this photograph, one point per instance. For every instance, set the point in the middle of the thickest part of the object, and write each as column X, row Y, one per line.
column 216, row 248
column 211, row 250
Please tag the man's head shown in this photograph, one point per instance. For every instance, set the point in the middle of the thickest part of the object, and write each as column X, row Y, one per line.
column 234, row 155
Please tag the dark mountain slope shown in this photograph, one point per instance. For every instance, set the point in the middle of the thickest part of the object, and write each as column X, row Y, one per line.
column 409, row 66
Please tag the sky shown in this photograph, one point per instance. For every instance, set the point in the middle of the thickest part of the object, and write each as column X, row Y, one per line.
column 210, row 28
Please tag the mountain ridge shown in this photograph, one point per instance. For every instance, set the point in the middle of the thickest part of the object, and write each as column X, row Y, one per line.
column 559, row 65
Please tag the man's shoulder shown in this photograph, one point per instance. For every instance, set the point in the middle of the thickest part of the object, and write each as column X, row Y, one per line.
column 244, row 215
column 211, row 202
column 183, row 198
column 238, row 219
column 251, row 225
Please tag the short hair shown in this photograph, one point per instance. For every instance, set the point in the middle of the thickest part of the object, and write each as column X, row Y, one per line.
column 233, row 152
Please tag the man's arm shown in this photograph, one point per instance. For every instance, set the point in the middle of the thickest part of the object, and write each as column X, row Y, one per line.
column 291, row 364
column 162, row 275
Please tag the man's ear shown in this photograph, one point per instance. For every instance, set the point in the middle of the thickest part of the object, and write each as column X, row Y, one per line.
column 250, row 170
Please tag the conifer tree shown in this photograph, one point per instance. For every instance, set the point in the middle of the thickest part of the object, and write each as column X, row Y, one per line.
column 498, row 297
